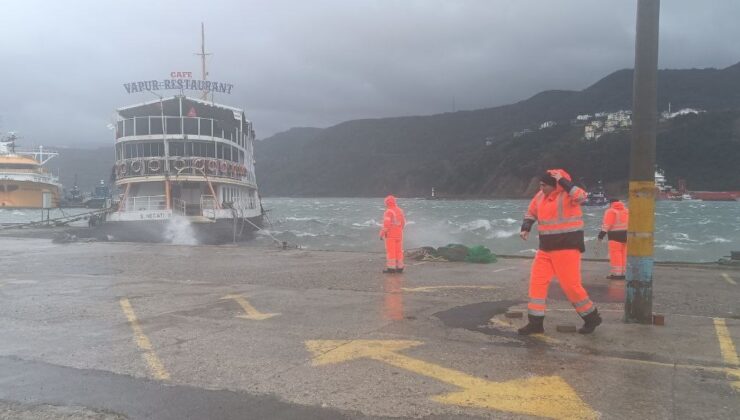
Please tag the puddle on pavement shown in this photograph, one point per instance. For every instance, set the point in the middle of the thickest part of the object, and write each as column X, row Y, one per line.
column 475, row 317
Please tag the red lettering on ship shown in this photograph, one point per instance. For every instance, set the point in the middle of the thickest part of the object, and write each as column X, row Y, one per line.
column 181, row 74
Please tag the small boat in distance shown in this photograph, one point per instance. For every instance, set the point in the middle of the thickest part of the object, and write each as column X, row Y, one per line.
column 433, row 196
column 597, row 197
column 100, row 197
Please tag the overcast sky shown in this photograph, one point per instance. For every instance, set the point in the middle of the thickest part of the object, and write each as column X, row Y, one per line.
column 317, row 63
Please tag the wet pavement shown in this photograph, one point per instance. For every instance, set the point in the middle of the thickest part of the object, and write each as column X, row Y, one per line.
column 116, row 330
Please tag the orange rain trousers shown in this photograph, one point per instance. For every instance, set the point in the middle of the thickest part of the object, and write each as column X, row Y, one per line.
column 617, row 258
column 394, row 252
column 564, row 264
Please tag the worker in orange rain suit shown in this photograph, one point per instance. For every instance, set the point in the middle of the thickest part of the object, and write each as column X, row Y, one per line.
column 392, row 232
column 614, row 225
column 557, row 210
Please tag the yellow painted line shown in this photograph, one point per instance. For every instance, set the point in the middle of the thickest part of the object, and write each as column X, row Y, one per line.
column 729, row 279
column 433, row 288
column 155, row 365
column 544, row 396
column 252, row 312
column 729, row 354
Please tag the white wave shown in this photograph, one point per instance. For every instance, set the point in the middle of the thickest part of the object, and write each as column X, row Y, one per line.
column 528, row 251
column 509, row 221
column 476, row 225
column 704, row 222
column 669, row 247
column 367, row 223
column 267, row 232
column 302, row 234
column 18, row 213
column 683, row 237
column 180, row 232
column 717, row 240
column 500, row 234
column 300, row 219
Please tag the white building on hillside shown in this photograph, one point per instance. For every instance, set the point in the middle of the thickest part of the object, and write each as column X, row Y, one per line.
column 547, row 124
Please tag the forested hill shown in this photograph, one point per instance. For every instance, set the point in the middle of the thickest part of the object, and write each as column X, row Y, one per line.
column 475, row 153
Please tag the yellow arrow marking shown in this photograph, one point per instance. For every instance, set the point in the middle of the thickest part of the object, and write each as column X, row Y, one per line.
column 252, row 312
column 729, row 354
column 433, row 288
column 545, row 396
column 729, row 279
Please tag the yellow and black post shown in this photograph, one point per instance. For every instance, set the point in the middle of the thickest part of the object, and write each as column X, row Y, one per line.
column 638, row 305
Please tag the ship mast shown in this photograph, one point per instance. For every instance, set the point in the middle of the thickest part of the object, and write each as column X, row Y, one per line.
column 203, row 54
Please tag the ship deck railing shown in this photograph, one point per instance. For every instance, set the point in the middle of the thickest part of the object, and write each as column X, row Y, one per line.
column 208, row 206
column 176, row 166
column 179, row 206
column 145, row 203
column 177, row 127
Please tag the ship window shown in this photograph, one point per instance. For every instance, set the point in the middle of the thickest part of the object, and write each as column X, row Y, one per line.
column 119, row 129
column 156, row 125
column 206, row 127
column 173, row 125
column 190, row 125
column 177, row 149
column 160, row 149
column 141, row 125
column 128, row 127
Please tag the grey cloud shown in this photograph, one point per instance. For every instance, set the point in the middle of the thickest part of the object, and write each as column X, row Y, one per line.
column 318, row 63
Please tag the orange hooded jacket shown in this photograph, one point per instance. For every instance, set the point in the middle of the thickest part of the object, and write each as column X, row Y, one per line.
column 559, row 216
column 615, row 222
column 393, row 219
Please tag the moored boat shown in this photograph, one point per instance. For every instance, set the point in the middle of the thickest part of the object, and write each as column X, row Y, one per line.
column 24, row 181
column 185, row 166
column 597, row 197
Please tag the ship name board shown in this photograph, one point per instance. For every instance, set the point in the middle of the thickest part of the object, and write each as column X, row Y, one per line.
column 179, row 84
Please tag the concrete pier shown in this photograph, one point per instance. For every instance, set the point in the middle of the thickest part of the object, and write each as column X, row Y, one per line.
column 144, row 331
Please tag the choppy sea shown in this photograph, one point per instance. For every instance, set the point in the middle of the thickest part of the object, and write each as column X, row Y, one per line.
column 696, row 231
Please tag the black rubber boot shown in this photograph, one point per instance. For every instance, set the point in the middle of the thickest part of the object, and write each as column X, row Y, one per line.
column 533, row 327
column 389, row 271
column 591, row 321
column 399, row 270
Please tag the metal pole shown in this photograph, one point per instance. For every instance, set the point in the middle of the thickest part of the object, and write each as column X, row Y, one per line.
column 638, row 305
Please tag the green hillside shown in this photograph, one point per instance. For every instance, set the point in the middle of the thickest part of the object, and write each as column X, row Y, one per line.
column 409, row 155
